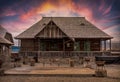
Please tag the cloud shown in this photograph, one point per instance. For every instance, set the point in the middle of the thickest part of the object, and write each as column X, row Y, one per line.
column 97, row 12
column 17, row 26
column 114, row 31
column 102, row 5
column 60, row 8
column 49, row 7
column 107, row 11
column 8, row 12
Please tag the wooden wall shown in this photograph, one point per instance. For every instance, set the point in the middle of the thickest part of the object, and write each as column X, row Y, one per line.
column 69, row 45
column 94, row 44
column 27, row 45
column 65, row 45
column 51, row 45
column 1, row 49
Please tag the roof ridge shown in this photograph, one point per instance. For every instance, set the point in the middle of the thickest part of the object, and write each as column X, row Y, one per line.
column 62, row 17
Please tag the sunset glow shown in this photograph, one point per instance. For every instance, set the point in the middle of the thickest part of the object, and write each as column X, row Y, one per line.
column 17, row 16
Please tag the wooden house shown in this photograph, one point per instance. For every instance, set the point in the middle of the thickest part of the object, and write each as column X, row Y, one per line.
column 63, row 36
column 6, row 41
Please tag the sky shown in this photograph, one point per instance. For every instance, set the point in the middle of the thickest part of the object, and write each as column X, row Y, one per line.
column 18, row 15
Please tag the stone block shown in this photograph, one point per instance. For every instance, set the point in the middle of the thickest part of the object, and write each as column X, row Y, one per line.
column 1, row 72
column 32, row 62
column 71, row 63
column 100, row 73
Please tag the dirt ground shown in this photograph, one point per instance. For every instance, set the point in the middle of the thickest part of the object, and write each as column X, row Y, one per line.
column 56, row 79
column 113, row 76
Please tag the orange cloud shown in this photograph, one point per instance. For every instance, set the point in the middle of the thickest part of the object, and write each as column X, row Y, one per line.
column 28, row 14
column 46, row 7
column 83, row 11
column 59, row 8
column 63, row 8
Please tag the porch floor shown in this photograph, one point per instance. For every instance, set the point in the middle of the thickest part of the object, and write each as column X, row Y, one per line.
column 50, row 71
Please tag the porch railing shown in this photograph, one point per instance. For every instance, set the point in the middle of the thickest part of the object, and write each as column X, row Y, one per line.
column 63, row 53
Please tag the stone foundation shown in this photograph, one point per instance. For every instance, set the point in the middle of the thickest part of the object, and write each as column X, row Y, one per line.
column 1, row 72
column 100, row 73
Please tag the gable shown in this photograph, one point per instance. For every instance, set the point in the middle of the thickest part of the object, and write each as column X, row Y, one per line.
column 51, row 30
column 5, row 37
column 8, row 36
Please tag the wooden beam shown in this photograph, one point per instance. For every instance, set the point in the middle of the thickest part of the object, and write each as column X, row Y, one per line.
column 105, row 45
column 63, row 45
column 100, row 45
column 110, row 44
column 38, row 44
column 19, row 43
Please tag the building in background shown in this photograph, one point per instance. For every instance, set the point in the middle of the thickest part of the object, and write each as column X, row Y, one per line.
column 6, row 41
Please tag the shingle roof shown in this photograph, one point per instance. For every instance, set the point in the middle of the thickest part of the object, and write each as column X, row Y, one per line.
column 2, row 31
column 3, row 40
column 74, row 27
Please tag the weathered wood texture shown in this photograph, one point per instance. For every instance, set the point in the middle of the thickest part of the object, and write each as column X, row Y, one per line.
column 27, row 45
column 51, row 31
column 62, row 53
column 58, row 45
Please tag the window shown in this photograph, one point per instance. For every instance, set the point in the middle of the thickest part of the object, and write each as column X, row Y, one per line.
column 86, row 46
column 43, row 46
column 49, row 45
column 82, row 24
column 77, row 46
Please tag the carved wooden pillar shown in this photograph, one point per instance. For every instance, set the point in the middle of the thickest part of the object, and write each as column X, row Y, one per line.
column 101, row 47
column 63, row 45
column 104, row 45
column 110, row 44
